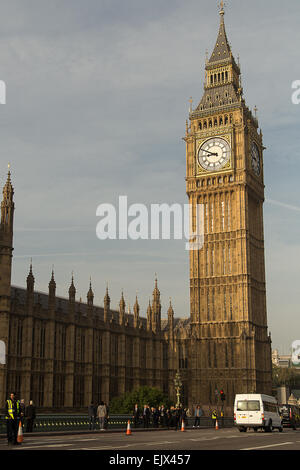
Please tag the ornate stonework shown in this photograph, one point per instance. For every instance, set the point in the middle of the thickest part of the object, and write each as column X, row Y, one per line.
column 63, row 353
column 224, row 152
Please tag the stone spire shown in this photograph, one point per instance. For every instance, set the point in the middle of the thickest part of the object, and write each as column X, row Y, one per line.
column 106, row 305
column 52, row 285
column 90, row 295
column 30, row 280
column 122, row 306
column 222, row 48
column 156, row 309
column 30, row 290
column 72, row 290
column 171, row 319
column 7, row 204
column 52, row 291
column 136, row 311
column 222, row 78
column 170, row 311
column 156, row 292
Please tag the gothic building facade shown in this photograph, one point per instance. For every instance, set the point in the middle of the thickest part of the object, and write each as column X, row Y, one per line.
column 63, row 353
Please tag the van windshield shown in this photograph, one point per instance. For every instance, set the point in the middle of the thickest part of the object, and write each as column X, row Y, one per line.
column 251, row 405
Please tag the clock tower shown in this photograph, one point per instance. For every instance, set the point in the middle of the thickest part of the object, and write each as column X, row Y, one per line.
column 230, row 344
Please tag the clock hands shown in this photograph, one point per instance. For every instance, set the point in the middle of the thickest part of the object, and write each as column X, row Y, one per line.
column 210, row 153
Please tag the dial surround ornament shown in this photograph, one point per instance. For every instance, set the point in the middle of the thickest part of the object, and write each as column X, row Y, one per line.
column 255, row 159
column 214, row 154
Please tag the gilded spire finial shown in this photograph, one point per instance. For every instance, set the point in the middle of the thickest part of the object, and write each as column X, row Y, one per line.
column 222, row 12
column 8, row 173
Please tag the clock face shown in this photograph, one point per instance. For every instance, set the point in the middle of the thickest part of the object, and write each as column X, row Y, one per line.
column 214, row 154
column 255, row 159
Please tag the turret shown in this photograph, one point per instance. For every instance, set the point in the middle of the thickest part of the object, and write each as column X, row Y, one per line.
column 136, row 311
column 7, row 206
column 122, row 310
column 30, row 281
column 156, row 309
column 106, row 305
column 90, row 296
column 6, row 241
column 52, row 292
column 72, row 294
column 171, row 319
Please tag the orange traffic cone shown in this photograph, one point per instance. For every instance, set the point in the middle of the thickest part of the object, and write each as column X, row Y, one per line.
column 20, row 433
column 217, row 425
column 128, row 432
column 182, row 426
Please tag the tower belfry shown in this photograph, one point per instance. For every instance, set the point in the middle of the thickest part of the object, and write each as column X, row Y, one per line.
column 224, row 154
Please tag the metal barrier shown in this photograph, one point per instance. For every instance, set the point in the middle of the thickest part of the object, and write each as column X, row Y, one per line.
column 48, row 423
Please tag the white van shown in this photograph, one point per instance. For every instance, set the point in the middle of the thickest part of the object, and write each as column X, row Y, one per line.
column 257, row 412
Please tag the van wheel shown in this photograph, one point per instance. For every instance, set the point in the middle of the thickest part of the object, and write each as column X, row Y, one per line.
column 269, row 428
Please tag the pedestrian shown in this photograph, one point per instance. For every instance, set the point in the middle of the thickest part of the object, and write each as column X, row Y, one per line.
column 214, row 417
column 136, row 415
column 30, row 414
column 162, row 416
column 22, row 412
column 12, row 415
column 171, row 417
column 102, row 414
column 146, row 416
column 178, row 413
column 155, row 417
column 92, row 412
column 198, row 414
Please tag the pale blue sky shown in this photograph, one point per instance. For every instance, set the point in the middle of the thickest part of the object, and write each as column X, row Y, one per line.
column 97, row 98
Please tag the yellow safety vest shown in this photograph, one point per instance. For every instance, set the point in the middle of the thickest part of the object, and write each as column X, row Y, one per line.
column 10, row 409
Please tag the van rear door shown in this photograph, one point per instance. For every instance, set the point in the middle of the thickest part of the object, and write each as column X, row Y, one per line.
column 242, row 415
column 255, row 411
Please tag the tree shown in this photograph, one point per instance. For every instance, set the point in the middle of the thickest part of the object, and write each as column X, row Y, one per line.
column 142, row 396
column 285, row 376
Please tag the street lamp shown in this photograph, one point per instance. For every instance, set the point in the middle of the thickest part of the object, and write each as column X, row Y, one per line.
column 178, row 387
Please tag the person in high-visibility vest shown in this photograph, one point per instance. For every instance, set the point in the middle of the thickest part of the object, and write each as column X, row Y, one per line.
column 12, row 414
